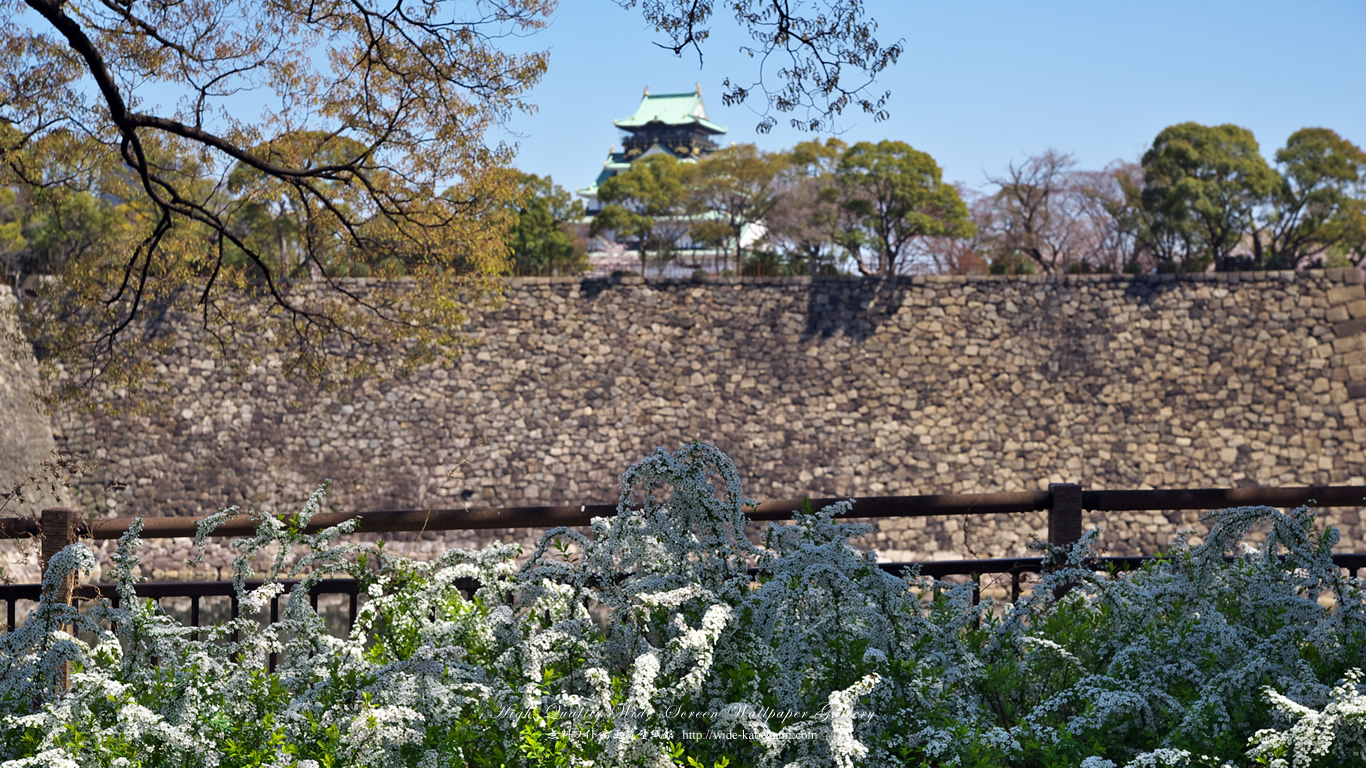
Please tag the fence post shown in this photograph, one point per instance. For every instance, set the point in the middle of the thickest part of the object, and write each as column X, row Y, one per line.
column 1064, row 514
column 1064, row 522
column 58, row 530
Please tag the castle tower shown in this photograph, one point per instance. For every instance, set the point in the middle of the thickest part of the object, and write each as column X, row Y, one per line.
column 671, row 123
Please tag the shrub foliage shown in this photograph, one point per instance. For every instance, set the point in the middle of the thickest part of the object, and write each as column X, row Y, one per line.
column 649, row 641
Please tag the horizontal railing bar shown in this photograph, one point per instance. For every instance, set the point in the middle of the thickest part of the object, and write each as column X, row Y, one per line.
column 929, row 505
column 159, row 589
column 935, row 568
column 381, row 521
column 19, row 527
column 483, row 518
column 1223, row 498
column 1349, row 560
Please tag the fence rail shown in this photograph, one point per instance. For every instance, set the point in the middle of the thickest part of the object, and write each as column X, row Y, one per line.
column 933, row 505
column 1064, row 504
column 12, row 594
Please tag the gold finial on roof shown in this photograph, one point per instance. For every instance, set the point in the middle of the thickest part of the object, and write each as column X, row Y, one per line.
column 647, row 90
column 699, row 89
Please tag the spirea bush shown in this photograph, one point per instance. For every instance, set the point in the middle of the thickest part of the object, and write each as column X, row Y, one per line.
column 665, row 637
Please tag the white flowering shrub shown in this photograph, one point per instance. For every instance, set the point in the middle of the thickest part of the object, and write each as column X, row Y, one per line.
column 665, row 637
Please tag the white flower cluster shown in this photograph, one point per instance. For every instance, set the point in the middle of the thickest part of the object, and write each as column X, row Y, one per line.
column 1337, row 732
column 375, row 734
column 844, row 748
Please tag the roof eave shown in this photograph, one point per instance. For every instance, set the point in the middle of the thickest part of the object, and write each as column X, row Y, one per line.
column 629, row 124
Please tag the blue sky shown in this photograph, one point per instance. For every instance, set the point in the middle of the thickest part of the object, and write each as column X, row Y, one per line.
column 986, row 82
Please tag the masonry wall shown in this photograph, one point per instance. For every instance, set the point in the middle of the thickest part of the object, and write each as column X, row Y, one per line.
column 824, row 387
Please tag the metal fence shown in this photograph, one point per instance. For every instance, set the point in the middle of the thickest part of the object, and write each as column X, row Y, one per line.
column 1064, row 503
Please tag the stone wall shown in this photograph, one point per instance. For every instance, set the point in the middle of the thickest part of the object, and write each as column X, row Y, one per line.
column 825, row 387
column 25, row 440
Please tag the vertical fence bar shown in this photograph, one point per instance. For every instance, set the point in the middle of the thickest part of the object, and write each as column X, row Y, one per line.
column 59, row 530
column 9, row 616
column 194, row 615
column 236, row 610
column 274, row 618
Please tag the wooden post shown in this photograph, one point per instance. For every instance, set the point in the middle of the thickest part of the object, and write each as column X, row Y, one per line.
column 1064, row 514
column 1064, row 522
column 59, row 530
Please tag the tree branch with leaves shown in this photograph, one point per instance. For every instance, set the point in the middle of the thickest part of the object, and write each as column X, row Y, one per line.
column 356, row 146
column 815, row 47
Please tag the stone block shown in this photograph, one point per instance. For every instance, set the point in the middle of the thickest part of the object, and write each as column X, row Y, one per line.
column 1346, row 293
column 1350, row 327
column 1344, row 344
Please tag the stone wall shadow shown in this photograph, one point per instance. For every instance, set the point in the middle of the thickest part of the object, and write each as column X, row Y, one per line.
column 593, row 287
column 1145, row 289
column 853, row 308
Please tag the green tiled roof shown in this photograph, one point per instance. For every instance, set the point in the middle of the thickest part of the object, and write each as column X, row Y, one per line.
column 670, row 109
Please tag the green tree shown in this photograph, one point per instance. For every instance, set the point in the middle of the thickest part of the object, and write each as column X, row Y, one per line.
column 648, row 203
column 542, row 241
column 897, row 195
column 46, row 222
column 735, row 188
column 275, row 221
column 1201, row 188
column 42, row 229
column 1318, row 204
column 714, row 234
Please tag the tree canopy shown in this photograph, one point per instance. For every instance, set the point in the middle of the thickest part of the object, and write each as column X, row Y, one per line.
column 735, row 187
column 542, row 240
column 1201, row 184
column 1315, row 209
column 807, row 219
column 898, row 195
column 369, row 146
column 648, row 203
